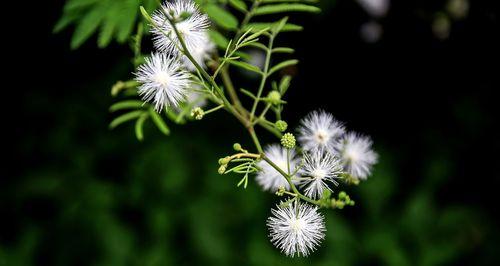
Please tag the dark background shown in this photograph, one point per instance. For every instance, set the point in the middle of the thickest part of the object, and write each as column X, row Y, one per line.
column 73, row 192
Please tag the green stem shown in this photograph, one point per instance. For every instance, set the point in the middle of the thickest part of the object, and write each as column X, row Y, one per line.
column 264, row 77
column 288, row 179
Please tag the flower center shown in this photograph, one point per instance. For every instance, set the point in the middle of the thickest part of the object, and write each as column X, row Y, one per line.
column 318, row 173
column 162, row 78
column 296, row 224
column 352, row 155
column 321, row 136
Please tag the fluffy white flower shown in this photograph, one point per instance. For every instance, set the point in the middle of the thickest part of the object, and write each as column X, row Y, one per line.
column 162, row 81
column 319, row 168
column 319, row 130
column 200, row 54
column 357, row 155
column 192, row 29
column 376, row 8
column 269, row 178
column 296, row 228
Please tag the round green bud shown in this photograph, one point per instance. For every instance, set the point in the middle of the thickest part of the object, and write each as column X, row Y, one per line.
column 288, row 141
column 224, row 160
column 340, row 204
column 237, row 147
column 342, row 195
column 197, row 113
column 274, row 97
column 351, row 203
column 281, row 125
column 222, row 169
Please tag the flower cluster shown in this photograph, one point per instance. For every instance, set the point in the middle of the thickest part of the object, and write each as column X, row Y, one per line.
column 305, row 168
column 164, row 78
column 328, row 155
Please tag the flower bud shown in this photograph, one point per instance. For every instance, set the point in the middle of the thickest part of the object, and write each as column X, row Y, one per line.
column 222, row 169
column 237, row 147
column 281, row 125
column 288, row 141
column 197, row 113
column 274, row 97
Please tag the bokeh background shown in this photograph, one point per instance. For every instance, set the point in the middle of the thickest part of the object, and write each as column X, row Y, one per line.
column 419, row 78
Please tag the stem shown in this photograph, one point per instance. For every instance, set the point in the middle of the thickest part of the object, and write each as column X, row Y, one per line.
column 264, row 77
column 255, row 139
column 288, row 179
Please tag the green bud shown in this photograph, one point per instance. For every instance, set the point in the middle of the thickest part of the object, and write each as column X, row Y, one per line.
column 351, row 203
column 237, row 147
column 222, row 169
column 274, row 97
column 340, row 204
column 288, row 141
column 224, row 160
column 281, row 125
column 197, row 113
column 342, row 195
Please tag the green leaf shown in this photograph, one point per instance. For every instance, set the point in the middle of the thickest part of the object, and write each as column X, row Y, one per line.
column 124, row 118
column 259, row 45
column 283, row 65
column 65, row 21
column 286, row 50
column 139, row 125
column 160, row 124
column 126, row 19
column 284, row 84
column 128, row 104
column 238, row 4
column 221, row 17
column 72, row 5
column 280, row 8
column 218, row 39
column 246, row 66
column 262, row 25
column 279, row 25
column 87, row 26
column 108, row 27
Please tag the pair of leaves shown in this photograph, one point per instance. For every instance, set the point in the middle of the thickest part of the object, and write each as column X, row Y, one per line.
column 141, row 114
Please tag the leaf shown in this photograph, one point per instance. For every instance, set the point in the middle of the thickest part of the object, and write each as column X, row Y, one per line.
column 284, row 84
column 283, row 65
column 65, row 21
column 238, row 4
column 72, row 5
column 124, row 118
column 108, row 27
column 280, row 8
column 279, row 25
column 160, row 124
column 246, row 66
column 218, row 39
column 87, row 26
column 286, row 50
column 259, row 45
column 126, row 19
column 129, row 104
column 261, row 25
column 139, row 125
column 221, row 17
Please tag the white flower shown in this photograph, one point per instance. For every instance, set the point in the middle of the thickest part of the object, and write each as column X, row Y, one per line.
column 269, row 178
column 200, row 54
column 357, row 155
column 162, row 81
column 376, row 8
column 296, row 228
column 192, row 29
column 319, row 168
column 319, row 130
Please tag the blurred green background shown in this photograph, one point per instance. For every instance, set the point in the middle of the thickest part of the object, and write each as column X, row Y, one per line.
column 74, row 193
